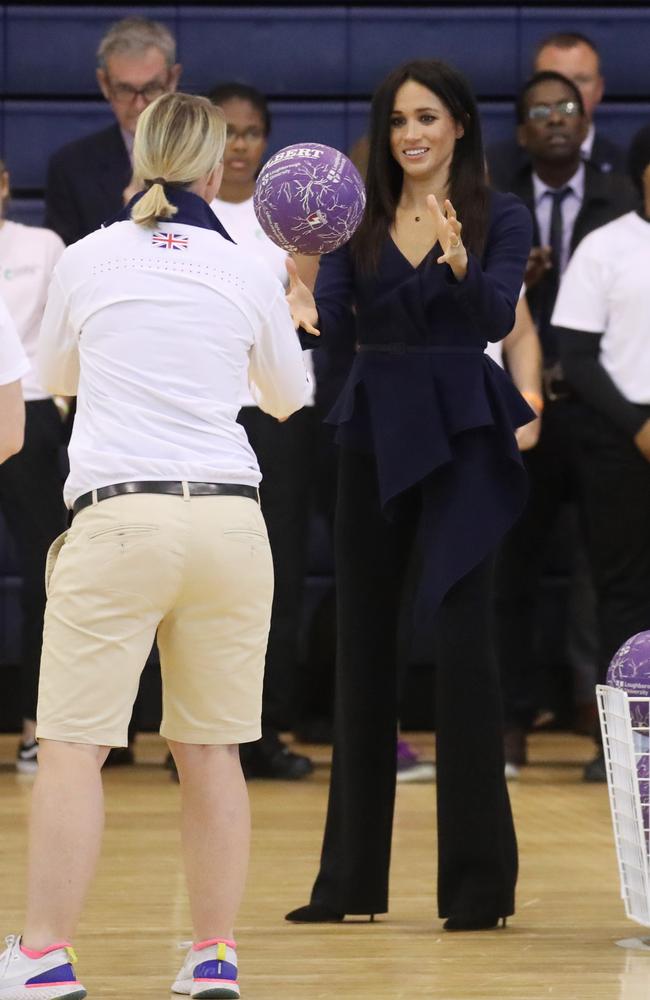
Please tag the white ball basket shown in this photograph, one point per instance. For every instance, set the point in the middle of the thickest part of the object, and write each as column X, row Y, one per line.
column 625, row 743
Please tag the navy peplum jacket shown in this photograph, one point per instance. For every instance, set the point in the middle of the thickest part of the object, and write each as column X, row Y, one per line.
column 423, row 397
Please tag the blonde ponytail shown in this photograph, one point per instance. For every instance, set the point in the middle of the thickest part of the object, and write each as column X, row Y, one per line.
column 179, row 138
column 153, row 206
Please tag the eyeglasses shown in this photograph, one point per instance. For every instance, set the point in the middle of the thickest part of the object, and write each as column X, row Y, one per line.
column 124, row 93
column 542, row 112
column 251, row 134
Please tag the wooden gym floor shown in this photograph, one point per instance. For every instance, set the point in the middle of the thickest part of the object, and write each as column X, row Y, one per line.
column 561, row 944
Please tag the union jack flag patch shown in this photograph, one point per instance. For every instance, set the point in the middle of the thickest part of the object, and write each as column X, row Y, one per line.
column 170, row 241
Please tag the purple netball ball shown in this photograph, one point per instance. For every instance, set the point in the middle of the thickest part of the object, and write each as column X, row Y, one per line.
column 630, row 670
column 643, row 777
column 309, row 198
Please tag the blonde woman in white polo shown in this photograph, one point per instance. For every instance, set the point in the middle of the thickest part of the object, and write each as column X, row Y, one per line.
column 151, row 322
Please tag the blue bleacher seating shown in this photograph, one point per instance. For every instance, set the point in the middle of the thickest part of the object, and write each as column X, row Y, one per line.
column 50, row 49
column 29, row 211
column 284, row 51
column 380, row 38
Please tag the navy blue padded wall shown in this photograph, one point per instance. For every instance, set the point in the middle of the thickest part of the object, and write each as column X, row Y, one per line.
column 621, row 35
column 281, row 51
column 33, row 130
column 29, row 211
column 51, row 50
column 619, row 122
column 483, row 43
column 315, row 121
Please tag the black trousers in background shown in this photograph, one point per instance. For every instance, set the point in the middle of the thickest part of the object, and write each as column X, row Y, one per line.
column 554, row 481
column 616, row 488
column 285, row 453
column 31, row 498
column 477, row 850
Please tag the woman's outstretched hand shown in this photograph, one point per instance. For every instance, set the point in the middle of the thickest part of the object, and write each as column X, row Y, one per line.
column 301, row 302
column 448, row 232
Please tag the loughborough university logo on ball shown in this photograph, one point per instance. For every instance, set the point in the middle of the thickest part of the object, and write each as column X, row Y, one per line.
column 309, row 198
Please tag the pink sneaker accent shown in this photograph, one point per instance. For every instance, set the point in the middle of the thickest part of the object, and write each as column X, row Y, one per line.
column 31, row 953
column 211, row 941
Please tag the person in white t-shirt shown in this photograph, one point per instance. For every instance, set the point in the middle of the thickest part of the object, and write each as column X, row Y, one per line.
column 151, row 322
column 13, row 365
column 31, row 496
column 285, row 451
column 602, row 318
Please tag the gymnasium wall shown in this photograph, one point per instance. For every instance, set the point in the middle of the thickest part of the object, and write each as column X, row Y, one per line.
column 318, row 64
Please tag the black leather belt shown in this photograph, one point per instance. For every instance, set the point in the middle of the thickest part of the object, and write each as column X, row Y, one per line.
column 174, row 489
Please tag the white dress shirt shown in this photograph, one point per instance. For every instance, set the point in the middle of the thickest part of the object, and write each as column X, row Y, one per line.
column 153, row 330
column 570, row 208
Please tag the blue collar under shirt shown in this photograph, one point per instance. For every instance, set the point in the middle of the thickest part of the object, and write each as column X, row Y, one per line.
column 192, row 211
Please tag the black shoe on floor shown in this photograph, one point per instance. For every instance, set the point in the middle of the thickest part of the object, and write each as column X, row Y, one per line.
column 120, row 757
column 314, row 731
column 595, row 772
column 270, row 758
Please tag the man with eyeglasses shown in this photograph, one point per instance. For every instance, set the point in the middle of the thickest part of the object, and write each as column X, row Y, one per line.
column 568, row 198
column 87, row 179
column 576, row 57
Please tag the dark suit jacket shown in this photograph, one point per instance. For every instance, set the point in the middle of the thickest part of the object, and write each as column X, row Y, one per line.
column 85, row 181
column 607, row 196
column 507, row 158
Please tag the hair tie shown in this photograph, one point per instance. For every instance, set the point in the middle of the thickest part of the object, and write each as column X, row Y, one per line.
column 158, row 180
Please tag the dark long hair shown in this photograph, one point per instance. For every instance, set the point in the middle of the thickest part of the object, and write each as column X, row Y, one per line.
column 468, row 189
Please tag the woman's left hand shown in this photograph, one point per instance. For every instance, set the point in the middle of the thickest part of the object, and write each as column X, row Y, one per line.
column 448, row 232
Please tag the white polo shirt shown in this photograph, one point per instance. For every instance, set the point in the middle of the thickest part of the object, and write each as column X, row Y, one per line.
column 240, row 222
column 27, row 258
column 13, row 360
column 606, row 289
column 153, row 330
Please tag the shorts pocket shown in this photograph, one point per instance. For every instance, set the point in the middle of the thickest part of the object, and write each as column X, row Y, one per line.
column 124, row 531
column 246, row 533
column 52, row 556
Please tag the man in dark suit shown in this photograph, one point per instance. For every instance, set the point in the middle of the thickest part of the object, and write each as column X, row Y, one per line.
column 568, row 198
column 576, row 57
column 87, row 179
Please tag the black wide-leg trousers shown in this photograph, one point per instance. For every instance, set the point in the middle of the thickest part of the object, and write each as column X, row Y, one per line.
column 477, row 850
column 31, row 498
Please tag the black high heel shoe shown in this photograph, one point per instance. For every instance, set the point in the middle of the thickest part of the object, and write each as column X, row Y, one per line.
column 318, row 913
column 486, row 922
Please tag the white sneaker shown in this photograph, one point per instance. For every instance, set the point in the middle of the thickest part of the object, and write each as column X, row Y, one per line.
column 409, row 766
column 38, row 975
column 27, row 757
column 209, row 970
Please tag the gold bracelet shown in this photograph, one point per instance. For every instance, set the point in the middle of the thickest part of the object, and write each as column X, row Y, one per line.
column 535, row 400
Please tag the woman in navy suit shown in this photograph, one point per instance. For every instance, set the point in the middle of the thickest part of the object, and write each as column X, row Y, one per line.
column 430, row 481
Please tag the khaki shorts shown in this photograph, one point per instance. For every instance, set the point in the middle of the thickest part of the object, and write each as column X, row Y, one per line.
column 197, row 570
